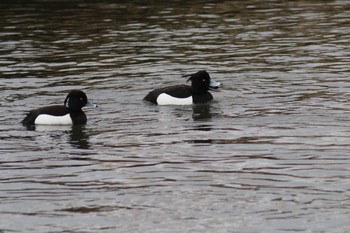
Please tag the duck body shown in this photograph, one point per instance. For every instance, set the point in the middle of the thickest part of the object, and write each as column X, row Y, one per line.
column 177, row 95
column 54, row 115
column 184, row 94
column 68, row 114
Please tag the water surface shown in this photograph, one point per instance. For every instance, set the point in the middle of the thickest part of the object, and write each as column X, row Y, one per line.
column 269, row 154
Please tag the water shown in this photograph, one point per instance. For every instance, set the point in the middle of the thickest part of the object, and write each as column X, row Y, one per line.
column 269, row 154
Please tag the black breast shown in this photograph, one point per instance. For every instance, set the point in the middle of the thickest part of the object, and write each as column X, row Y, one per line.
column 203, row 98
column 78, row 118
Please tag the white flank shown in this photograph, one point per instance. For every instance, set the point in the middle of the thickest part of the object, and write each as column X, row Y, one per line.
column 45, row 119
column 165, row 99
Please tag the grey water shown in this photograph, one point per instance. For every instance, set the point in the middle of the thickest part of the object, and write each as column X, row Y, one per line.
column 271, row 153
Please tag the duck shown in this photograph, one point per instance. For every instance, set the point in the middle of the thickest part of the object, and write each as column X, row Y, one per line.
column 70, row 113
column 198, row 92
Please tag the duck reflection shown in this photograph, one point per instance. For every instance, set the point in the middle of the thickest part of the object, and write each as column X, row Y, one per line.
column 201, row 112
column 79, row 138
column 77, row 135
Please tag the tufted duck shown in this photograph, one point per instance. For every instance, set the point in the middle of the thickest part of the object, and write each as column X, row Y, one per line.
column 67, row 114
column 184, row 94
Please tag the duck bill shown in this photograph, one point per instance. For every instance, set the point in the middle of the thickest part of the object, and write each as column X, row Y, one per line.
column 214, row 85
column 90, row 105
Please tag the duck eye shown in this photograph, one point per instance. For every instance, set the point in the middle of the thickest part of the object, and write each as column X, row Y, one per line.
column 81, row 99
column 203, row 80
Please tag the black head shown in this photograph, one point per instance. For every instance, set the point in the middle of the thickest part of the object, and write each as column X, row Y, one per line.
column 200, row 82
column 75, row 100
